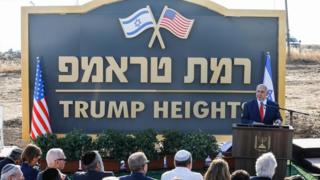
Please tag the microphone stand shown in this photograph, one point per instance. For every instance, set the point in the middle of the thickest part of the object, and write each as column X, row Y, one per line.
column 289, row 110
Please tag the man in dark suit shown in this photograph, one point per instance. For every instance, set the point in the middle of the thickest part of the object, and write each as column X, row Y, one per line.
column 138, row 165
column 93, row 166
column 261, row 110
column 13, row 158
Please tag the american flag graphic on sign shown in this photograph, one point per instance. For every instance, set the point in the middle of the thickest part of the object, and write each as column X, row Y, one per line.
column 176, row 23
column 40, row 115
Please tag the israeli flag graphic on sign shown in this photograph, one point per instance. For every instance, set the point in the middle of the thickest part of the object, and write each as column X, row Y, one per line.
column 137, row 22
column 267, row 79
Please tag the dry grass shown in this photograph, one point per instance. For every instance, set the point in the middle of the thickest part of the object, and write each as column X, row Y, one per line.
column 10, row 66
column 307, row 53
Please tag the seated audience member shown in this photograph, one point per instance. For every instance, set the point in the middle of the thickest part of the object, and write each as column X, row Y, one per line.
column 218, row 170
column 240, row 175
column 11, row 172
column 52, row 174
column 265, row 167
column 93, row 167
column 55, row 158
column 138, row 165
column 13, row 158
column 294, row 177
column 30, row 157
column 183, row 166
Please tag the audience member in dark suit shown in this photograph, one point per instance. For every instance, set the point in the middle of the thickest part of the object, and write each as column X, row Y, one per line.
column 55, row 159
column 30, row 157
column 13, row 158
column 52, row 174
column 265, row 167
column 138, row 165
column 93, row 166
column 261, row 110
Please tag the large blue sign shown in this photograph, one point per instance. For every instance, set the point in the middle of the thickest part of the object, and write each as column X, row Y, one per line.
column 139, row 64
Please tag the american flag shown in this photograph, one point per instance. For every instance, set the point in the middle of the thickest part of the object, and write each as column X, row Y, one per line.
column 176, row 23
column 40, row 115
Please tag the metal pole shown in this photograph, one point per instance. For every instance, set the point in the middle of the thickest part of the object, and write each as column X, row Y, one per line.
column 288, row 31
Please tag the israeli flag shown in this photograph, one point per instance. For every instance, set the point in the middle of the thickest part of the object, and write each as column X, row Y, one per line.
column 137, row 22
column 267, row 79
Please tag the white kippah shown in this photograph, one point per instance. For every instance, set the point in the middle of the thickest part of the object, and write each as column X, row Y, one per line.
column 182, row 155
column 9, row 170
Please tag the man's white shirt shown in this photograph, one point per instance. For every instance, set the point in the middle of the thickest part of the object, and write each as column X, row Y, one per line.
column 183, row 173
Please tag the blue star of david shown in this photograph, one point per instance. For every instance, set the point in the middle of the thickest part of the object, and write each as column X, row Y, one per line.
column 269, row 93
column 137, row 22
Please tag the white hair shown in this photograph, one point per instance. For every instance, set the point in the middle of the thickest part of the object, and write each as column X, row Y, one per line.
column 10, row 170
column 54, row 154
column 266, row 165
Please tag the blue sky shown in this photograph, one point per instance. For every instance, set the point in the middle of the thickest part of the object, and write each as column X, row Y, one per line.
column 303, row 17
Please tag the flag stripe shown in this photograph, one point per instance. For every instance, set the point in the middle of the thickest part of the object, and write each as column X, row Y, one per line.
column 43, row 111
column 150, row 24
column 175, row 28
column 180, row 28
column 134, row 17
column 36, row 129
column 174, row 31
column 40, row 124
column 177, row 24
column 33, row 133
column 40, row 111
column 184, row 21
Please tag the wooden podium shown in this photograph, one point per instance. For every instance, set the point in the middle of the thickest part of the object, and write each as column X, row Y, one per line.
column 250, row 141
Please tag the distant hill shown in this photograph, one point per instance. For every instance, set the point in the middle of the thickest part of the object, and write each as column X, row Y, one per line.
column 10, row 55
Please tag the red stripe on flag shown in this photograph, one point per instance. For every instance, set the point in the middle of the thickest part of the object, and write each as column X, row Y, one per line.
column 175, row 28
column 35, row 127
column 44, row 109
column 41, row 120
column 181, row 29
column 182, row 18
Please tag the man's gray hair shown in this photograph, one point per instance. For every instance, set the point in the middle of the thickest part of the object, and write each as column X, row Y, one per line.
column 263, row 86
column 9, row 170
column 136, row 161
column 266, row 165
column 54, row 154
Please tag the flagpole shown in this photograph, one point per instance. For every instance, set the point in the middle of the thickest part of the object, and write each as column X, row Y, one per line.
column 156, row 32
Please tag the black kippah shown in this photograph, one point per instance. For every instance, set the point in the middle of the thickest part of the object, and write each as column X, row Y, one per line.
column 51, row 174
column 88, row 158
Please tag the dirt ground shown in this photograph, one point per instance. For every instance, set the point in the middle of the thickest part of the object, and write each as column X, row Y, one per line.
column 302, row 94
